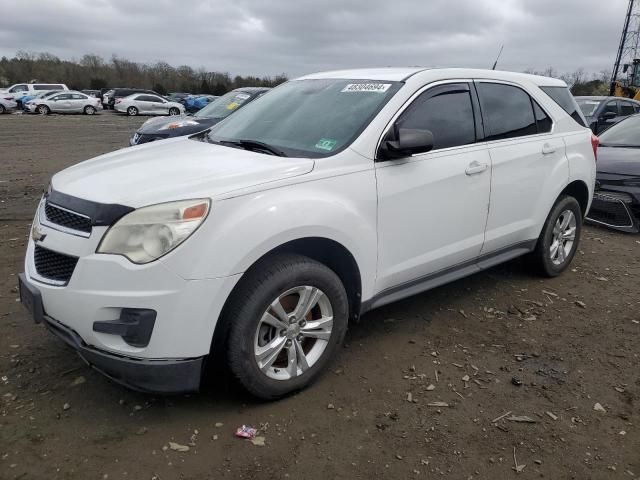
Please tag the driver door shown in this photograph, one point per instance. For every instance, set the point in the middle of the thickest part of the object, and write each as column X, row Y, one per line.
column 433, row 207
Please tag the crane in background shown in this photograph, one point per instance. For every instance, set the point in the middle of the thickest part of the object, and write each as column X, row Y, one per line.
column 625, row 80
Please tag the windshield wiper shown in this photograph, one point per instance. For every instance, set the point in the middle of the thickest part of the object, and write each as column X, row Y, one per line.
column 253, row 145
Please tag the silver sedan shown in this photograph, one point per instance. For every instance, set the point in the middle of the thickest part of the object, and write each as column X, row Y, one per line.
column 64, row 102
column 147, row 104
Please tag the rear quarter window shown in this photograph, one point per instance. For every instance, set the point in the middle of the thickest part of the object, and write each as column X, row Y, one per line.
column 562, row 96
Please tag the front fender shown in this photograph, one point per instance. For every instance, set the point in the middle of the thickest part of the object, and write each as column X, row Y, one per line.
column 241, row 230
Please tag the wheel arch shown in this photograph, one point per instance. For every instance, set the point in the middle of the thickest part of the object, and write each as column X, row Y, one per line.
column 578, row 189
column 322, row 249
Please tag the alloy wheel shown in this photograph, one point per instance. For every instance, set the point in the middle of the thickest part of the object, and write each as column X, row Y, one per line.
column 563, row 237
column 293, row 332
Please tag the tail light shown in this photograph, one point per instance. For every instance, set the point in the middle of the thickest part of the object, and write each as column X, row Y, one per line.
column 595, row 141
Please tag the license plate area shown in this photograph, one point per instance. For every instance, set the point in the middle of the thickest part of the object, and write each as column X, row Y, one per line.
column 31, row 298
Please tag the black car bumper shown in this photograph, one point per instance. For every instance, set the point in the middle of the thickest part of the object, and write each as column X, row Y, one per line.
column 144, row 375
column 616, row 210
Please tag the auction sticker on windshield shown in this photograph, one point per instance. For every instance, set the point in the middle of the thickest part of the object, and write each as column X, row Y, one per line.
column 326, row 144
column 367, row 87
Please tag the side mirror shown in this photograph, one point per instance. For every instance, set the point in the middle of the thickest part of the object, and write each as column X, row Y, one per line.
column 609, row 115
column 409, row 142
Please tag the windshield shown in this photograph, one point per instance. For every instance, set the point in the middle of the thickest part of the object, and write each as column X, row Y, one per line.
column 623, row 134
column 223, row 106
column 588, row 107
column 310, row 118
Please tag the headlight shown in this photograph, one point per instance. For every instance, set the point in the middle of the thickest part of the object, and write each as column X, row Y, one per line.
column 148, row 233
column 182, row 123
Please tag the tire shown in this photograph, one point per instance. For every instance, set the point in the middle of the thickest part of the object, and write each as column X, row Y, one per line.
column 89, row 110
column 43, row 110
column 277, row 281
column 2, row 109
column 173, row 111
column 563, row 225
column 132, row 111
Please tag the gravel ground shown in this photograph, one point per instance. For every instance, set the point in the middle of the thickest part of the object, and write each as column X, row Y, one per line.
column 543, row 370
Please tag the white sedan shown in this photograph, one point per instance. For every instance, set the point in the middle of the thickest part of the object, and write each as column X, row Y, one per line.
column 147, row 104
column 64, row 102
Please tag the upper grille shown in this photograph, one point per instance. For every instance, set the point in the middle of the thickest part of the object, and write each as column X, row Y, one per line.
column 53, row 265
column 67, row 219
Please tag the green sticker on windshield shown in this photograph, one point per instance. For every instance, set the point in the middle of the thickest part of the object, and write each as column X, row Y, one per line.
column 326, row 144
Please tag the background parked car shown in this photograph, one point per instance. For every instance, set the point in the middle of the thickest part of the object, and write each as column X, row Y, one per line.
column 616, row 202
column 7, row 104
column 106, row 95
column 178, row 96
column 160, row 128
column 92, row 93
column 125, row 92
column 66, row 102
column 602, row 112
column 19, row 90
column 193, row 103
column 147, row 104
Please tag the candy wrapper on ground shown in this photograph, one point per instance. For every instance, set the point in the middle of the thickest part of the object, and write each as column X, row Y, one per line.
column 246, row 432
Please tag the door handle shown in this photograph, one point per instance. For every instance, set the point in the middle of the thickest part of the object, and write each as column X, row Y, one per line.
column 548, row 149
column 476, row 167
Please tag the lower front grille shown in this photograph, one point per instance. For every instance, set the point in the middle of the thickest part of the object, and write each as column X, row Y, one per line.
column 611, row 210
column 54, row 266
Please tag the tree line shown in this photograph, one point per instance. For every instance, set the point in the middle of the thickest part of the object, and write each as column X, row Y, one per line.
column 94, row 72
column 580, row 82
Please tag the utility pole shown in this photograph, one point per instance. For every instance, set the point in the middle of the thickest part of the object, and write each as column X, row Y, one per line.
column 627, row 56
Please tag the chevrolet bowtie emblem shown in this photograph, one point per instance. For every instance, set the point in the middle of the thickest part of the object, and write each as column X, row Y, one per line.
column 36, row 234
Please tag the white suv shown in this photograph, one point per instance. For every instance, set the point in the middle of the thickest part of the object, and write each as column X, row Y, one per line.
column 333, row 194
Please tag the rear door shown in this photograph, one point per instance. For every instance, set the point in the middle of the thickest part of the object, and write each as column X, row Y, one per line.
column 78, row 102
column 528, row 160
column 157, row 105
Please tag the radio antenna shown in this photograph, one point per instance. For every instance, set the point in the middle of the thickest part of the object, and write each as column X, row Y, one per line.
column 495, row 64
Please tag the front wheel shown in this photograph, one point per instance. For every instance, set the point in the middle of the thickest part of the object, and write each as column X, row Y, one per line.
column 132, row 111
column 2, row 109
column 43, row 110
column 287, row 318
column 559, row 239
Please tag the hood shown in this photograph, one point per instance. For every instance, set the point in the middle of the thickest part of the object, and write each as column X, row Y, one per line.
column 174, row 169
column 620, row 161
column 154, row 125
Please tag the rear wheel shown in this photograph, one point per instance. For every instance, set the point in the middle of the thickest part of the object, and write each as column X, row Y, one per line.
column 173, row 111
column 89, row 110
column 43, row 110
column 132, row 111
column 559, row 239
column 287, row 319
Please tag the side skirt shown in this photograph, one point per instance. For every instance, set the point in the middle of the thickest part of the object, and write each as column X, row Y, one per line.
column 447, row 275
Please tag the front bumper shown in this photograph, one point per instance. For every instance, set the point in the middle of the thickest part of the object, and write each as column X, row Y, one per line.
column 145, row 375
column 616, row 210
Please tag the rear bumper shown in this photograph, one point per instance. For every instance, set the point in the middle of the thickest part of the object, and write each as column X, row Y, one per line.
column 163, row 376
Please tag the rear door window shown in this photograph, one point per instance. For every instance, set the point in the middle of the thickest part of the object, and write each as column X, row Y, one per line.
column 626, row 109
column 446, row 111
column 562, row 96
column 542, row 119
column 507, row 111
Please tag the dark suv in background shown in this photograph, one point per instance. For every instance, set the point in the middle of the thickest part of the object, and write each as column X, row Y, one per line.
column 602, row 112
column 125, row 92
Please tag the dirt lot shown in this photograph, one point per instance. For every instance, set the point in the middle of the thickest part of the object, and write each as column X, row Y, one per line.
column 500, row 341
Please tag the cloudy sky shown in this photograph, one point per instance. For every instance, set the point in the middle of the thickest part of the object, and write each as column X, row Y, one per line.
column 266, row 37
